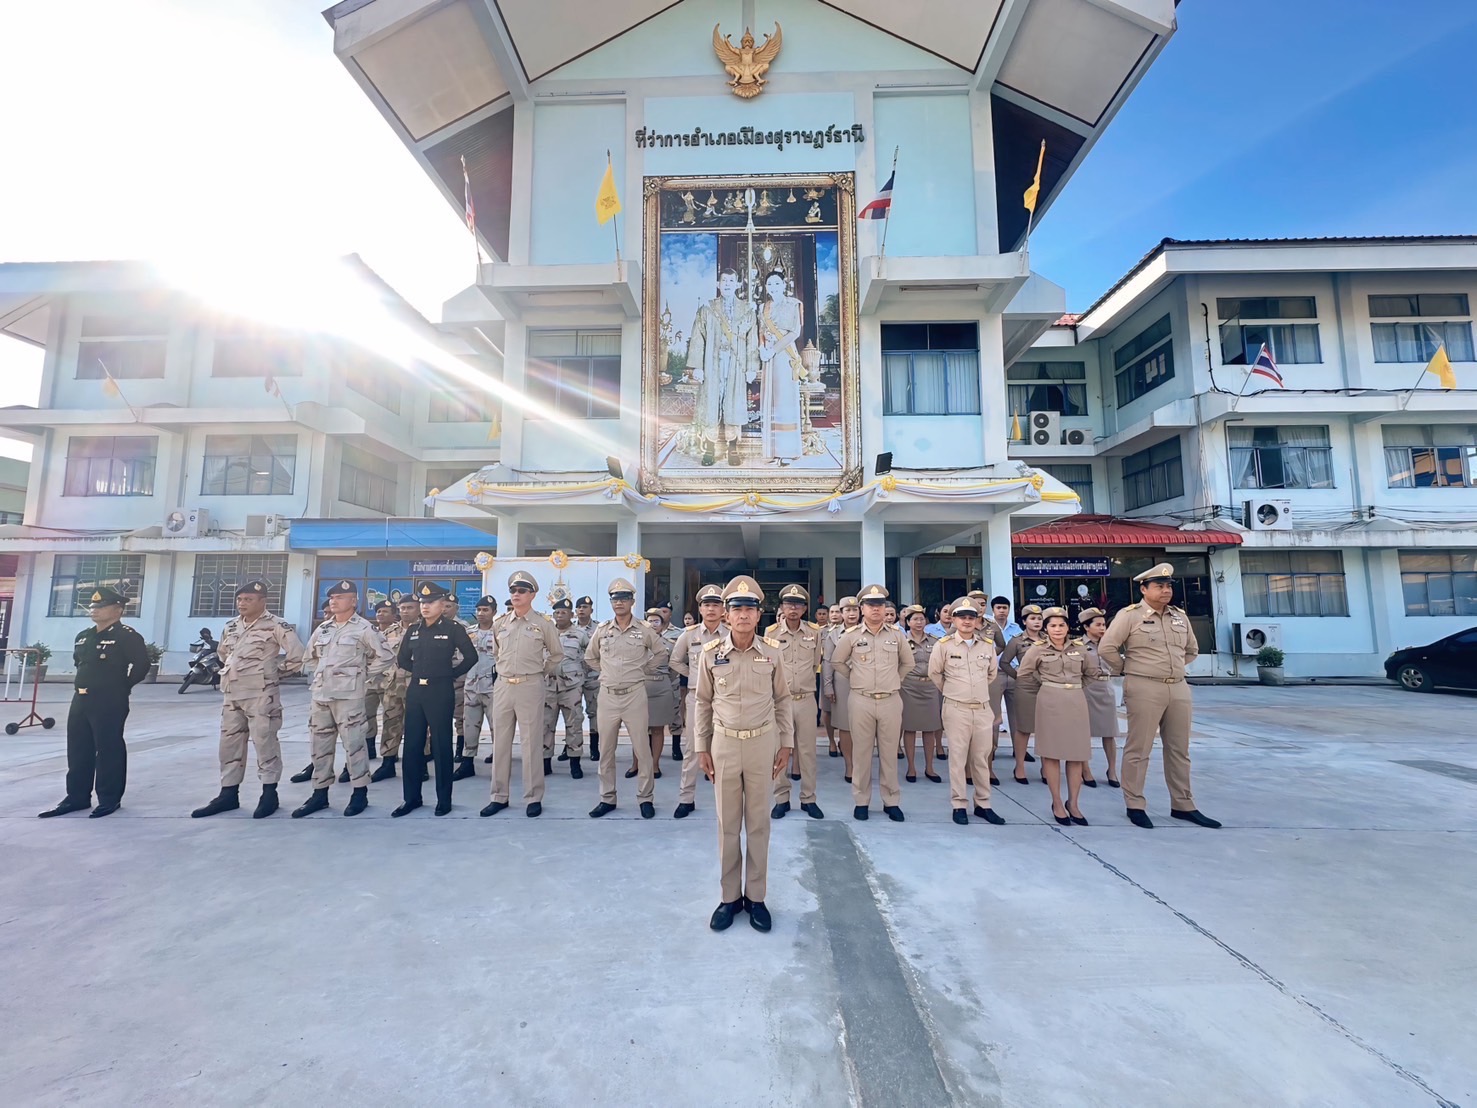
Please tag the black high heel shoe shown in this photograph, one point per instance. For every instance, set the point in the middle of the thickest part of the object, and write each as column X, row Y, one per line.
column 1020, row 780
column 1065, row 821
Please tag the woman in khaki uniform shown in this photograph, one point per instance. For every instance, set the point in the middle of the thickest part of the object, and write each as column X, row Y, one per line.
column 836, row 685
column 1022, row 704
column 922, row 701
column 1060, row 669
column 661, row 700
column 1102, row 706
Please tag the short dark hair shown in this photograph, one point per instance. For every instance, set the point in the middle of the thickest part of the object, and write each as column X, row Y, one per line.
column 999, row 600
column 728, row 271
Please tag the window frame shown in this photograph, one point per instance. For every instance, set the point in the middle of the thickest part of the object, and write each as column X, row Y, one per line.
column 1020, row 402
column 550, row 378
column 1256, row 450
column 227, row 572
column 287, row 463
column 1291, row 589
column 1463, row 452
column 1083, row 489
column 1144, row 476
column 88, row 571
column 1461, row 595
column 264, row 353
column 373, row 378
column 123, row 341
column 1132, row 361
column 968, row 366
column 70, row 475
column 445, row 406
column 351, row 471
column 1434, row 325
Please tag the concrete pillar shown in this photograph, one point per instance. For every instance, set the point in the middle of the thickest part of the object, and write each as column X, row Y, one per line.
column 828, row 579
column 678, row 595
column 627, row 536
column 995, row 554
column 874, row 552
column 508, row 538
column 907, row 581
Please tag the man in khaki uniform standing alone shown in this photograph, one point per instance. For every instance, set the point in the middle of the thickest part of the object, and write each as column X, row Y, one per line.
column 477, row 687
column 874, row 658
column 625, row 651
column 745, row 733
column 800, row 644
column 684, row 661
column 962, row 665
column 252, row 707
column 1150, row 643
column 528, row 651
column 349, row 656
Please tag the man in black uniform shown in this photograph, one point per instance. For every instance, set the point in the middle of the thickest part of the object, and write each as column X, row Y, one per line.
column 426, row 654
column 111, row 659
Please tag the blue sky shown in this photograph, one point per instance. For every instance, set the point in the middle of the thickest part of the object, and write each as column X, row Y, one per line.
column 1279, row 118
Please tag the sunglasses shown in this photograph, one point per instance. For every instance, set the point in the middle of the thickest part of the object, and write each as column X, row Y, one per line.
column 520, row 588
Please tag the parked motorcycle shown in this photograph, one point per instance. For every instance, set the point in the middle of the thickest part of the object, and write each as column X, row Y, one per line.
column 205, row 663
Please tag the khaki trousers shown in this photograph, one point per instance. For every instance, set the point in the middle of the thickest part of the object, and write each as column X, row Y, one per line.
column 687, row 786
column 1155, row 707
column 394, row 701
column 476, row 707
column 592, row 705
column 518, row 702
column 460, row 704
column 329, row 721
column 255, row 717
column 876, row 729
column 971, row 735
column 742, row 784
column 802, row 711
column 568, row 702
column 627, row 706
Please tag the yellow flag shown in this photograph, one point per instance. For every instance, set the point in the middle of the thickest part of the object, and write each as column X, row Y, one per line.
column 1440, row 368
column 607, row 202
column 110, row 386
column 1015, row 427
column 1035, row 189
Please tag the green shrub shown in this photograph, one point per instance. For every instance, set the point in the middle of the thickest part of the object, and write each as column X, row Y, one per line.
column 1269, row 656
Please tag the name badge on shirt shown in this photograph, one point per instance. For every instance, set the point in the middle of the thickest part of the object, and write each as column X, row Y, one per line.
column 441, row 638
column 720, row 661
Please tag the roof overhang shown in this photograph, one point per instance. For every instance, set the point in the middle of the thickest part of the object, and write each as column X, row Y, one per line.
column 1097, row 530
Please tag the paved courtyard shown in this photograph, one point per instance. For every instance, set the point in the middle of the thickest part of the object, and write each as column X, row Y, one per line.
column 1316, row 951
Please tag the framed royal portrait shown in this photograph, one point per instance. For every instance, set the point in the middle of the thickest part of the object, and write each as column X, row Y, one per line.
column 749, row 365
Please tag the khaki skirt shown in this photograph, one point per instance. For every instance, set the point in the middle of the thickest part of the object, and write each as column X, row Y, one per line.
column 1061, row 724
column 922, row 705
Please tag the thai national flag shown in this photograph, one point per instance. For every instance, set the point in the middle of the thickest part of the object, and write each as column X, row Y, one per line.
column 879, row 208
column 1267, row 367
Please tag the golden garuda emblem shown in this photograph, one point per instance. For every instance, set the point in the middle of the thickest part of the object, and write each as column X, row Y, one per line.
column 746, row 64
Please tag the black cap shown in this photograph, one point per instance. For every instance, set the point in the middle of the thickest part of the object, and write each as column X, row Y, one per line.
column 384, row 606
column 102, row 596
column 487, row 602
column 258, row 588
column 585, row 600
column 565, row 603
column 342, row 588
column 430, row 590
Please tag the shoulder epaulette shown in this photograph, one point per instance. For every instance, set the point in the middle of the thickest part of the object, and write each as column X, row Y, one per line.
column 772, row 642
column 713, row 644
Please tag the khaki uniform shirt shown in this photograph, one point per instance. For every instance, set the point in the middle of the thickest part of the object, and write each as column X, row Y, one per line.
column 689, row 645
column 250, row 650
column 873, row 663
column 349, row 658
column 481, row 677
column 742, row 690
column 802, row 652
column 829, row 639
column 1072, row 665
column 526, row 645
column 573, row 642
column 625, row 657
column 963, row 668
column 1141, row 642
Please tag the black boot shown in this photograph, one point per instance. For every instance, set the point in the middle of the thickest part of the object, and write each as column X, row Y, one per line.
column 369, row 747
column 316, row 803
column 548, row 766
column 227, row 801
column 461, row 745
column 358, row 802
column 574, row 768
column 464, row 768
column 343, row 777
column 303, row 776
column 267, row 804
column 677, row 747
column 386, row 769
column 594, row 746
column 564, row 754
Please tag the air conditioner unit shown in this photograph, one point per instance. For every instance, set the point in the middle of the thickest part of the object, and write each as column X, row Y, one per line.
column 1251, row 637
column 1044, row 428
column 1075, row 436
column 1269, row 515
column 187, row 523
column 264, row 526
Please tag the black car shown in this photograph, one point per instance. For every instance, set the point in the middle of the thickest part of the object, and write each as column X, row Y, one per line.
column 1449, row 663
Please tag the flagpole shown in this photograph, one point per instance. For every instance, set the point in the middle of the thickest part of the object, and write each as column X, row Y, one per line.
column 1036, row 199
column 886, row 223
column 470, row 212
column 1425, row 369
column 1245, row 380
column 117, row 390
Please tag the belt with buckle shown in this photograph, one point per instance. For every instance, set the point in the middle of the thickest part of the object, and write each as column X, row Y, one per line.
column 878, row 695
column 750, row 733
column 1061, row 684
column 802, row 695
column 617, row 689
column 1156, row 680
column 522, row 677
column 967, row 703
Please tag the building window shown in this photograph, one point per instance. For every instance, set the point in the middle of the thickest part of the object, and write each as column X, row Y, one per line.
column 1153, row 475
column 217, row 577
column 367, row 481
column 249, row 465
column 1252, row 323
column 71, row 574
column 576, row 373
column 440, row 480
column 1431, row 456
column 1439, row 582
column 124, row 347
column 1295, row 457
column 1293, row 583
column 1144, row 363
column 472, row 406
column 371, row 377
column 1417, row 341
column 931, row 368
column 11, row 517
column 110, row 466
column 1077, row 478
column 1048, row 387
column 245, row 351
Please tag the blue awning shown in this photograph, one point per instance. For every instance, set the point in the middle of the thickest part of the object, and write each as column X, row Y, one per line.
column 387, row 534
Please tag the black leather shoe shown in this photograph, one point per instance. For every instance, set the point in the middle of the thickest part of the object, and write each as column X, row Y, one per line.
column 267, row 803
column 548, row 767
column 935, row 778
column 564, row 754
column 343, row 777
column 1139, row 818
column 961, row 817
column 758, row 915
column 104, row 810
column 1080, row 821
column 684, row 810
column 425, row 773
column 405, row 809
column 848, row 779
column 794, row 777
column 303, row 776
column 723, row 915
column 465, row 768
column 942, row 755
column 860, row 813
column 994, row 780
column 443, row 809
column 386, row 769
column 69, row 805
column 534, row 810
column 1065, row 821
column 894, row 813
column 1020, row 780
column 813, row 810
column 358, row 802
column 494, row 808
column 1195, row 816
column 989, row 815
column 648, row 810
column 630, row 773
column 911, row 778
column 601, row 809
column 487, row 761
column 226, row 801
column 1030, row 757
column 779, row 811
column 315, row 803
column 969, row 782
column 576, row 770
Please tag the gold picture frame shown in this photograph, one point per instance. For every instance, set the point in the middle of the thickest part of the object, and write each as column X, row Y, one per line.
column 786, row 320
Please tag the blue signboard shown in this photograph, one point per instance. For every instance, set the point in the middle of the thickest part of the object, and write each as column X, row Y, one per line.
column 467, row 595
column 1063, row 567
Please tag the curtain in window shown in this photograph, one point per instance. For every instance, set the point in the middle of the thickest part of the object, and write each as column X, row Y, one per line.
column 895, row 381
column 963, row 382
column 930, row 383
column 1243, row 468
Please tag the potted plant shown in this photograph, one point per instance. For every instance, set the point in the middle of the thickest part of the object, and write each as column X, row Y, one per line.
column 156, row 652
column 1269, row 661
column 42, row 656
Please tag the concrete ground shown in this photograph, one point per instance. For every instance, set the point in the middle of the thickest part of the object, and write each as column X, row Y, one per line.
column 1316, row 951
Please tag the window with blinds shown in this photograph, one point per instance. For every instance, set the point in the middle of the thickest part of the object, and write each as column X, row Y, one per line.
column 931, row 368
column 1431, row 455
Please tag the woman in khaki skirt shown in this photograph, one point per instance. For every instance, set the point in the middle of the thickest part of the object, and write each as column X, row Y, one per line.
column 1102, row 707
column 1022, row 705
column 922, row 702
column 1061, row 669
column 836, row 685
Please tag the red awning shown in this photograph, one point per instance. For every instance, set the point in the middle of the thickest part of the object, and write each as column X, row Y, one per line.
column 1111, row 531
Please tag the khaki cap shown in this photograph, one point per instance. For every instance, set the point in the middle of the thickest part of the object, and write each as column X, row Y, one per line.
column 965, row 606
column 710, row 592
column 848, row 602
column 1054, row 610
column 1162, row 572
column 1087, row 615
column 524, row 578
column 1031, row 610
column 743, row 590
column 873, row 594
column 795, row 592
column 621, row 589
